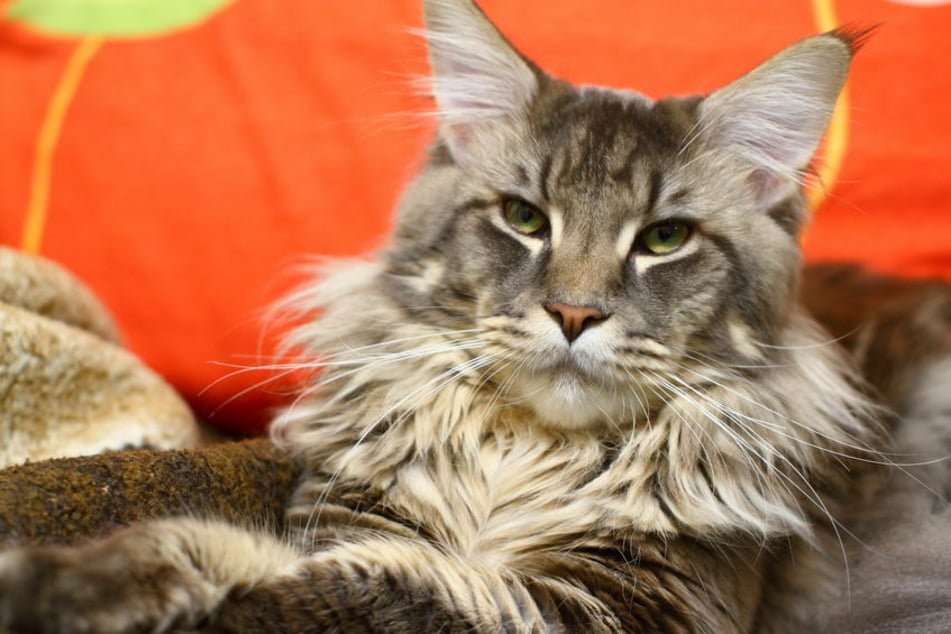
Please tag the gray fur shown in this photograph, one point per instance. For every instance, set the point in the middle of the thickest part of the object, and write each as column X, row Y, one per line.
column 472, row 470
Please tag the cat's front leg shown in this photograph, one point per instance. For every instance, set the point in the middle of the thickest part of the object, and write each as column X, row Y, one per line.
column 150, row 577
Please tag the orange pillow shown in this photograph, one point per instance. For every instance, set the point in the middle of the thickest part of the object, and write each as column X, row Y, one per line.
column 180, row 164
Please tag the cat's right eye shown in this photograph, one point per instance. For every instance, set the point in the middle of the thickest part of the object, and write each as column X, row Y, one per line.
column 524, row 217
column 663, row 237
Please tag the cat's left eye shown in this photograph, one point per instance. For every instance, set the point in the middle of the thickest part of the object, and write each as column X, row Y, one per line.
column 663, row 237
column 524, row 217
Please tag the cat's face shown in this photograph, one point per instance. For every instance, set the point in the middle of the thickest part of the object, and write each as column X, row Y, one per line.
column 600, row 241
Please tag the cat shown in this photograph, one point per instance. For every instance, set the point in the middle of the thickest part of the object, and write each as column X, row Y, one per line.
column 576, row 392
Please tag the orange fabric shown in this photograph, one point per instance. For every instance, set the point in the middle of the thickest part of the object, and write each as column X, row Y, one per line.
column 190, row 170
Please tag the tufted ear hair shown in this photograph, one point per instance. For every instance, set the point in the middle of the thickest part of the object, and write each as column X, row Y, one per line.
column 774, row 116
column 478, row 78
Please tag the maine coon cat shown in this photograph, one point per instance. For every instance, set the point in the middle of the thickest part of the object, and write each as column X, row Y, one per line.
column 575, row 393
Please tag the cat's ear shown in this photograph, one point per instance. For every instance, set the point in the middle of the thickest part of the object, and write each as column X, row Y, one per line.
column 774, row 116
column 478, row 78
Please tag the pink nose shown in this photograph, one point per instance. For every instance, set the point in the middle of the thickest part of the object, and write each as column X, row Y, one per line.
column 574, row 319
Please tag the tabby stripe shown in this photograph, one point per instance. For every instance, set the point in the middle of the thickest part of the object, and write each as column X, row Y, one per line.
column 653, row 193
column 521, row 173
column 660, row 568
column 563, row 608
column 705, row 474
column 634, row 600
column 657, row 491
column 625, row 174
column 642, row 352
column 514, row 331
column 740, row 285
column 461, row 294
column 543, row 178
column 474, row 204
column 677, row 197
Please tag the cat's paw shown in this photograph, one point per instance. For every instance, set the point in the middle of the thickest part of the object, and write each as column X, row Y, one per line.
column 93, row 589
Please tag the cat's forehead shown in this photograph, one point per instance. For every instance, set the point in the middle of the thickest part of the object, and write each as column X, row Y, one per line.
column 601, row 123
column 609, row 149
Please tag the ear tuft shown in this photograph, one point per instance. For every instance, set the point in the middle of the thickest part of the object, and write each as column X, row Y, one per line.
column 854, row 36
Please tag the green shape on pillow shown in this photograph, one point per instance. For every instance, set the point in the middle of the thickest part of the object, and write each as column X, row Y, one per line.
column 129, row 18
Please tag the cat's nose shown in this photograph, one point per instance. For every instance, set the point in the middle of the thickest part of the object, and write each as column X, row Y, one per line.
column 574, row 319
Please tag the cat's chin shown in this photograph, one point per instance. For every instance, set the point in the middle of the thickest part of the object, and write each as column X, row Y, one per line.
column 566, row 400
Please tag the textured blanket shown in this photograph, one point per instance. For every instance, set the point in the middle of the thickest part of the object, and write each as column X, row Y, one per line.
column 67, row 387
column 64, row 500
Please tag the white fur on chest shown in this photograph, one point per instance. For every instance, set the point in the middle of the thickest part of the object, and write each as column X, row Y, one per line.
column 507, row 498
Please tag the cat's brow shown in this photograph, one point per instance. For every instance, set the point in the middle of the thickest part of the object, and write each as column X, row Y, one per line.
column 557, row 221
column 626, row 237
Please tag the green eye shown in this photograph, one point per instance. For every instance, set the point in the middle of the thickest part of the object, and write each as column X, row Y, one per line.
column 524, row 217
column 664, row 237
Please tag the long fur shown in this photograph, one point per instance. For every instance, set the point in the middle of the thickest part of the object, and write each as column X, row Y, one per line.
column 680, row 460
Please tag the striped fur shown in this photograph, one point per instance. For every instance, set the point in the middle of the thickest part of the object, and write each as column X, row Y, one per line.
column 681, row 465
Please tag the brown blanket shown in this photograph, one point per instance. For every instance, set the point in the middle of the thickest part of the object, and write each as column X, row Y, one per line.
column 60, row 501
column 67, row 387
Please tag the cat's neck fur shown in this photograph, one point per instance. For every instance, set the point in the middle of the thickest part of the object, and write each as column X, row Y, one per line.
column 411, row 411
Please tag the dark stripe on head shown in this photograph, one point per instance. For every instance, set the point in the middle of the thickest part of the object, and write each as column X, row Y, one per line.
column 678, row 196
column 475, row 204
column 625, row 173
column 521, row 174
column 543, row 176
column 566, row 171
column 653, row 193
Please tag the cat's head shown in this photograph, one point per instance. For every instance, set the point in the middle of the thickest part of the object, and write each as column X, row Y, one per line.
column 601, row 240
